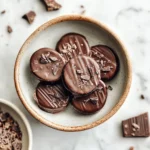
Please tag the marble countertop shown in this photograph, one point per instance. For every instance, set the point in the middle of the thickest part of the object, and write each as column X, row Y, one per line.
column 130, row 19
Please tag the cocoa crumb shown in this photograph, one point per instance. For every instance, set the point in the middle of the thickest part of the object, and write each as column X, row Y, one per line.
column 142, row 96
column 9, row 29
column 83, row 12
column 81, row 6
column 109, row 88
column 3, row 12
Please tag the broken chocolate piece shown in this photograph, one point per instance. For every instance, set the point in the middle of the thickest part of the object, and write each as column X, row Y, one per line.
column 9, row 29
column 136, row 127
column 51, row 5
column 30, row 16
column 131, row 148
column 109, row 88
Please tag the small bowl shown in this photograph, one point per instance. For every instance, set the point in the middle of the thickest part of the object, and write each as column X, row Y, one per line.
column 7, row 106
column 48, row 35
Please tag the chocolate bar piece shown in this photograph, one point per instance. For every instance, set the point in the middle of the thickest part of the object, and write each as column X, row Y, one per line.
column 136, row 127
column 51, row 5
column 30, row 16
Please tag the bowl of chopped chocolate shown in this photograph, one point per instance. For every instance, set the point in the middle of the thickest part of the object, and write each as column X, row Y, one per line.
column 15, row 131
column 73, row 73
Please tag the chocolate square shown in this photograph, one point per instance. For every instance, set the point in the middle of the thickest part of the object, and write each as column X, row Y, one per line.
column 137, row 126
column 51, row 5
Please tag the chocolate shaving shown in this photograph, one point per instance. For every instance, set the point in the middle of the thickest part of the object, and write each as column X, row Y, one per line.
column 30, row 16
column 106, row 69
column 85, row 77
column 83, row 12
column 79, row 71
column 51, row 5
column 3, row 12
column 53, row 58
column 55, row 70
column 9, row 29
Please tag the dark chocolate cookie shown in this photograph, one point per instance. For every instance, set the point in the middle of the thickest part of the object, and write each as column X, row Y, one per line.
column 47, row 64
column 92, row 102
column 52, row 98
column 107, row 60
column 81, row 75
column 72, row 45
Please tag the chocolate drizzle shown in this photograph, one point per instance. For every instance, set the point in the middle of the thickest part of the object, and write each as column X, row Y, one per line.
column 51, row 96
column 77, row 76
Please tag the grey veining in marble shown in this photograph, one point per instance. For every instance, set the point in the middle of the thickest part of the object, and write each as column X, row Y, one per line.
column 131, row 20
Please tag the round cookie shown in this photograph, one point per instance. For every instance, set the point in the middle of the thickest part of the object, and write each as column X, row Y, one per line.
column 72, row 45
column 107, row 60
column 81, row 75
column 52, row 98
column 92, row 102
column 47, row 64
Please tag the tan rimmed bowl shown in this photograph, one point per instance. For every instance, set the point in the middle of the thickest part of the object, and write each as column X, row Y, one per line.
column 47, row 35
column 24, row 125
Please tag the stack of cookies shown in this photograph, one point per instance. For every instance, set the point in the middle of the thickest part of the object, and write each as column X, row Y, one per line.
column 73, row 73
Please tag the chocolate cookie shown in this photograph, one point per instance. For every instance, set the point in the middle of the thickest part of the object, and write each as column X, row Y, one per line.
column 107, row 60
column 81, row 75
column 47, row 64
column 52, row 98
column 72, row 45
column 92, row 102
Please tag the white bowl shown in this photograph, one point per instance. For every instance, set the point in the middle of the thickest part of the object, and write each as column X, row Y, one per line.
column 7, row 106
column 48, row 35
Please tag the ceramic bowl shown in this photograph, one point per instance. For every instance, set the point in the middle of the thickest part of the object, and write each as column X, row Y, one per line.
column 7, row 106
column 48, row 35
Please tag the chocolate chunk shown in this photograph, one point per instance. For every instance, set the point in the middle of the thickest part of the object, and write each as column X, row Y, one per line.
column 107, row 60
column 3, row 12
column 72, row 45
column 136, row 127
column 9, row 138
column 30, row 16
column 131, row 148
column 51, row 5
column 47, row 64
column 142, row 96
column 92, row 102
column 9, row 29
column 109, row 88
column 52, row 98
column 81, row 83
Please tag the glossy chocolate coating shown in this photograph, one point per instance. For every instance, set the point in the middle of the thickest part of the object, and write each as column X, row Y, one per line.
column 92, row 102
column 72, row 45
column 81, row 75
column 47, row 64
column 52, row 98
column 106, row 59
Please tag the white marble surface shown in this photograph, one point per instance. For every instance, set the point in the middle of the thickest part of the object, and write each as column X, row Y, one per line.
column 131, row 20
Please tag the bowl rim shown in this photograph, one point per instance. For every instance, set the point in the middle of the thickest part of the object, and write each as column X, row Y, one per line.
column 90, row 125
column 24, row 119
